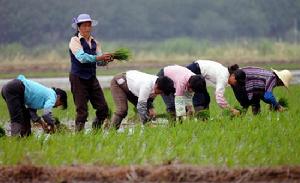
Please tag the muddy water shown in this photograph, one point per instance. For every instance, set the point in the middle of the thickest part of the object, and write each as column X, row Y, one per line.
column 127, row 126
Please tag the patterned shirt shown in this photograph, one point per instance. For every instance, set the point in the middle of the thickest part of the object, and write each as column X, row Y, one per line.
column 258, row 79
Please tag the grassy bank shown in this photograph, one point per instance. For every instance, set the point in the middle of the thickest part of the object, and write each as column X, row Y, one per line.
column 53, row 60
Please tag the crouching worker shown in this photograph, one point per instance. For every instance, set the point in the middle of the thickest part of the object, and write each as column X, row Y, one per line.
column 252, row 84
column 217, row 74
column 186, row 83
column 24, row 97
column 140, row 89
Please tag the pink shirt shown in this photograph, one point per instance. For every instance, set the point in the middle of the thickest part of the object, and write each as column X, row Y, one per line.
column 180, row 76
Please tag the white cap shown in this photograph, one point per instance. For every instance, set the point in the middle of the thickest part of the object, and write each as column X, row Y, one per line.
column 83, row 18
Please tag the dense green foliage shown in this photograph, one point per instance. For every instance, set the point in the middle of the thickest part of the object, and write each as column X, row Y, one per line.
column 36, row 22
column 268, row 139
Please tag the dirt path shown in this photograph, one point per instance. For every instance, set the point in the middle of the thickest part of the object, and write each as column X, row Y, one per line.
column 159, row 173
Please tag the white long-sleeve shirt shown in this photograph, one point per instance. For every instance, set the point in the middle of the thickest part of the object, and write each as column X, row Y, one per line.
column 218, row 75
column 141, row 84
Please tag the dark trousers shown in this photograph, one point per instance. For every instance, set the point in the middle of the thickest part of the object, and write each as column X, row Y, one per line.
column 13, row 94
column 201, row 100
column 242, row 97
column 85, row 90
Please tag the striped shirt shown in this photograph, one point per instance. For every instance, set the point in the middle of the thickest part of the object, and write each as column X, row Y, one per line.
column 258, row 79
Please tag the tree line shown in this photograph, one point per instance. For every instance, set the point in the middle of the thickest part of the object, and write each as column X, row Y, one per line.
column 35, row 22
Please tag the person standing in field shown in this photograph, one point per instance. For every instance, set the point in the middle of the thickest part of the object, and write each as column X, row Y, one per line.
column 86, row 53
column 252, row 84
column 140, row 89
column 24, row 97
column 216, row 74
column 185, row 82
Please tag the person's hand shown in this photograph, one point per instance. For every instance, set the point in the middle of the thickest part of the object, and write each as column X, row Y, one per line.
column 106, row 57
column 46, row 127
column 280, row 109
column 151, row 113
column 51, row 128
column 235, row 112
column 189, row 110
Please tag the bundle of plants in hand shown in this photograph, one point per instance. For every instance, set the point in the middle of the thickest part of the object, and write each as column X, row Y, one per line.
column 60, row 127
column 227, row 111
column 203, row 114
column 283, row 102
column 241, row 109
column 122, row 54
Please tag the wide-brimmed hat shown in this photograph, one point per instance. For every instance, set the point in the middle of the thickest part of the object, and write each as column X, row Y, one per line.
column 285, row 76
column 83, row 18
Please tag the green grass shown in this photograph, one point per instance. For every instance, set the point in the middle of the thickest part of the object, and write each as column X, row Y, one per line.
column 54, row 61
column 176, row 50
column 268, row 139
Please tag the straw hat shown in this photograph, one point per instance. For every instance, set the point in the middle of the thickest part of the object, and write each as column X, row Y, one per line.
column 83, row 18
column 285, row 76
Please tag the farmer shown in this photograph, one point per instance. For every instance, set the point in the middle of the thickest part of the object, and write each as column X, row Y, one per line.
column 216, row 74
column 140, row 89
column 252, row 84
column 185, row 82
column 24, row 97
column 85, row 54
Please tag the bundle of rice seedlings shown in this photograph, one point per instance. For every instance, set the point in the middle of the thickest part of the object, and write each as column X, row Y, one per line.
column 227, row 112
column 241, row 109
column 283, row 102
column 60, row 127
column 203, row 114
column 122, row 54
column 2, row 132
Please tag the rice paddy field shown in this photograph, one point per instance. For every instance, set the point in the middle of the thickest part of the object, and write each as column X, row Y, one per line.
column 218, row 149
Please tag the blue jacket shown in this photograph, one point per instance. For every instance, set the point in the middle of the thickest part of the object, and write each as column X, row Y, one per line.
column 37, row 96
